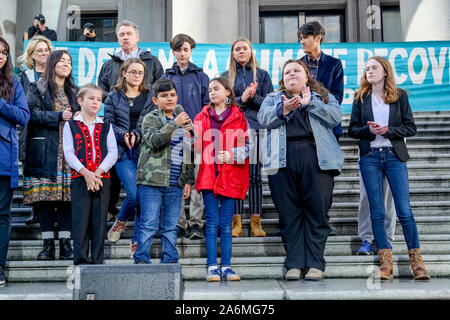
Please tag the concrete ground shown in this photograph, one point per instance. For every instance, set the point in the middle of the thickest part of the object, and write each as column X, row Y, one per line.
column 327, row 289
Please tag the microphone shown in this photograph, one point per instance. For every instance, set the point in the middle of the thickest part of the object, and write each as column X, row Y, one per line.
column 179, row 109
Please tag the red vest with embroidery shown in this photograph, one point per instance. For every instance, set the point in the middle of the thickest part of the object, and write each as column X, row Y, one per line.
column 84, row 145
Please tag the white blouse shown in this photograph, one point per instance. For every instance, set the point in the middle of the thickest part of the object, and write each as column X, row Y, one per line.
column 381, row 116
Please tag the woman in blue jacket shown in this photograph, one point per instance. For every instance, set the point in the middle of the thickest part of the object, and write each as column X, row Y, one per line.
column 13, row 111
column 125, row 108
column 250, row 84
column 304, row 156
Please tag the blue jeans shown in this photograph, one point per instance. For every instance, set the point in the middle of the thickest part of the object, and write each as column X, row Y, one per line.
column 126, row 170
column 153, row 218
column 6, row 196
column 218, row 217
column 380, row 162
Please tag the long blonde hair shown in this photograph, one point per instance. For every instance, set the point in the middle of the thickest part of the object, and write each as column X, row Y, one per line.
column 391, row 91
column 26, row 57
column 232, row 68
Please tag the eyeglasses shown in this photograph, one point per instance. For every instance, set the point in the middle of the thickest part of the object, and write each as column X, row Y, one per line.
column 4, row 53
column 134, row 73
column 41, row 51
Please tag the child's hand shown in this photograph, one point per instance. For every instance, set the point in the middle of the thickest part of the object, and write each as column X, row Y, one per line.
column 67, row 114
column 306, row 96
column 187, row 191
column 129, row 139
column 93, row 179
column 224, row 156
column 182, row 119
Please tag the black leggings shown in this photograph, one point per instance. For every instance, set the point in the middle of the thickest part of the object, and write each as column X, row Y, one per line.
column 54, row 211
column 255, row 194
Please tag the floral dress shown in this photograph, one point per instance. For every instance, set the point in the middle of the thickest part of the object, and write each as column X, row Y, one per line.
column 57, row 188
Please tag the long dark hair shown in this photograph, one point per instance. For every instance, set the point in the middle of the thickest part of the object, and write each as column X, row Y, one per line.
column 6, row 76
column 226, row 84
column 312, row 83
column 49, row 77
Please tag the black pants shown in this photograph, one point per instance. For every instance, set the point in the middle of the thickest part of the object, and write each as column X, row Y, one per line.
column 6, row 195
column 89, row 215
column 301, row 193
column 114, row 191
column 54, row 211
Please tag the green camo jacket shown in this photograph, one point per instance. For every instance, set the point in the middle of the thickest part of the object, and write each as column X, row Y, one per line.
column 154, row 155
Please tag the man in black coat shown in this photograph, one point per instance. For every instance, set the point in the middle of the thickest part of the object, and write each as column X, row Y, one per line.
column 128, row 37
column 39, row 27
column 324, row 68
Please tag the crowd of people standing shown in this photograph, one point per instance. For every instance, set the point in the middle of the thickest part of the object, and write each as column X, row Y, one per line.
column 176, row 135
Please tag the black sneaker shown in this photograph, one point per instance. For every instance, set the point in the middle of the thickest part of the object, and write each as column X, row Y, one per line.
column 2, row 277
column 181, row 232
column 196, row 232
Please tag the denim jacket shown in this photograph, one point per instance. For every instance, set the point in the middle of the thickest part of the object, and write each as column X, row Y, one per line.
column 323, row 118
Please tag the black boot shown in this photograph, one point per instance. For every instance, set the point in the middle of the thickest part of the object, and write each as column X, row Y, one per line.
column 48, row 252
column 33, row 218
column 65, row 249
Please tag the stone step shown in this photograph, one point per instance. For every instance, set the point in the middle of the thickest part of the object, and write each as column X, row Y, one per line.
column 341, row 219
column 349, row 226
column 247, row 267
column 36, row 291
column 242, row 247
column 327, row 289
column 429, row 149
column 266, row 289
column 428, row 139
column 413, row 169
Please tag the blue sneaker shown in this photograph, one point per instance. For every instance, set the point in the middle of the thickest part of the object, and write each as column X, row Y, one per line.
column 365, row 249
column 213, row 275
column 230, row 275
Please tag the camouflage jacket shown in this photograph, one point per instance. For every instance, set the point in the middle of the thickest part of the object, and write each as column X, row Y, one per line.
column 154, row 156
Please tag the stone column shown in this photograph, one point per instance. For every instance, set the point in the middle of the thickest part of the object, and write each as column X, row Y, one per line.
column 425, row 20
column 207, row 21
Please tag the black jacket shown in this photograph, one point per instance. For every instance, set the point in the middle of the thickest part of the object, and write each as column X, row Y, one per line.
column 117, row 112
column 401, row 124
column 48, row 33
column 83, row 37
column 244, row 77
column 331, row 75
column 109, row 72
column 42, row 139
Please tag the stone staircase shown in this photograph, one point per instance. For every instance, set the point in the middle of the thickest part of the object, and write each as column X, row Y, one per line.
column 262, row 258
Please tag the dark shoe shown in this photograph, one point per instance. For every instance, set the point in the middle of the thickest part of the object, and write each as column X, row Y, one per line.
column 33, row 218
column 333, row 232
column 182, row 232
column 2, row 278
column 196, row 232
column 65, row 249
column 48, row 252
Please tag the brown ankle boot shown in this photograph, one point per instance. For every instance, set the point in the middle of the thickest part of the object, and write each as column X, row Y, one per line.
column 236, row 226
column 255, row 227
column 386, row 265
column 417, row 265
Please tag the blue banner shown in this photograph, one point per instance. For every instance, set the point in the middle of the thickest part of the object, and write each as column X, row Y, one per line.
column 422, row 68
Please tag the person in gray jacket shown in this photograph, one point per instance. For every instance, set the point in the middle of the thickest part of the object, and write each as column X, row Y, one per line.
column 303, row 157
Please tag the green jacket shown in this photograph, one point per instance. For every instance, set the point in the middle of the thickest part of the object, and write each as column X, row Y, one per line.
column 154, row 156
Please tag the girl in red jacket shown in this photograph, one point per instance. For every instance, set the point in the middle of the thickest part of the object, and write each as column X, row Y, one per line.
column 222, row 141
